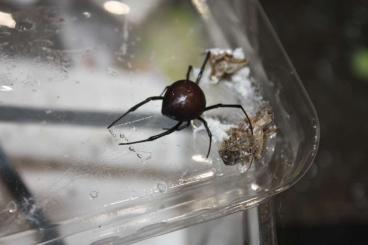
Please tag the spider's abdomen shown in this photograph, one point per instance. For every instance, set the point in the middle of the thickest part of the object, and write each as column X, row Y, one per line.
column 183, row 101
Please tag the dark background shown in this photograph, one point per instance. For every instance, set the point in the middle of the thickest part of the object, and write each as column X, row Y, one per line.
column 327, row 42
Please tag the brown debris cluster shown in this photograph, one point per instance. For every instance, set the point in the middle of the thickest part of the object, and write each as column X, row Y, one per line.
column 243, row 147
column 224, row 65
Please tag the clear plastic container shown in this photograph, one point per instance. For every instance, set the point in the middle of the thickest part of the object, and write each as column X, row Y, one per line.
column 69, row 68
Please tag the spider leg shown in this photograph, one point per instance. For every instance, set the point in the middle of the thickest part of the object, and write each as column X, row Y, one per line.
column 209, row 134
column 203, row 66
column 232, row 106
column 188, row 74
column 169, row 131
column 189, row 71
column 163, row 92
column 135, row 108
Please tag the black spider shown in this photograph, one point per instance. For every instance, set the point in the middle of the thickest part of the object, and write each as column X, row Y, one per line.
column 182, row 101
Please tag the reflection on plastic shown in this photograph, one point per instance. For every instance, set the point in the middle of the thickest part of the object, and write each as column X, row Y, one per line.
column 6, row 19
column 115, row 7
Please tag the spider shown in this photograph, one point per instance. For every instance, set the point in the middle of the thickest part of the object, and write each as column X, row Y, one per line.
column 183, row 101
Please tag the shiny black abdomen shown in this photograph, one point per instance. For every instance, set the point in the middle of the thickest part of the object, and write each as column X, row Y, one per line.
column 183, row 101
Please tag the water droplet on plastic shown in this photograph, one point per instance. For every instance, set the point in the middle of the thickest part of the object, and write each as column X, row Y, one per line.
column 131, row 148
column 5, row 88
column 162, row 187
column 144, row 155
column 123, row 137
column 93, row 194
column 87, row 14
column 12, row 207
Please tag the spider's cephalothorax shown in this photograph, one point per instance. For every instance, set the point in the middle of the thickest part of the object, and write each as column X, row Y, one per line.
column 183, row 101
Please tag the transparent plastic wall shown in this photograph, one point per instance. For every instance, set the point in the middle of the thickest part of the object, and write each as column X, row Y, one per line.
column 69, row 68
